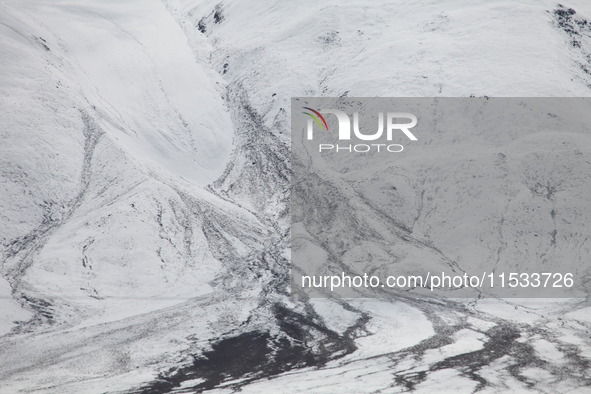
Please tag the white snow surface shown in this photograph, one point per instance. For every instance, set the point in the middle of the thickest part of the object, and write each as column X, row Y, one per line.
column 132, row 237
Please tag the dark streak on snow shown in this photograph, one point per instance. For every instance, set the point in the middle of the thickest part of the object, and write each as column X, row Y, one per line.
column 24, row 249
column 255, row 355
column 578, row 30
column 216, row 16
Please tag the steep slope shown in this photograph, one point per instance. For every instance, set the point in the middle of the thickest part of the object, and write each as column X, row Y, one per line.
column 100, row 115
column 459, row 49
column 151, row 261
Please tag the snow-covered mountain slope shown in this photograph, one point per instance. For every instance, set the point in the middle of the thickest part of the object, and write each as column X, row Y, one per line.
column 493, row 184
column 100, row 113
column 146, row 259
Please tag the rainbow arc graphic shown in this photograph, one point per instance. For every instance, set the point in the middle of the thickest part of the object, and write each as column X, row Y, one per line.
column 317, row 116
